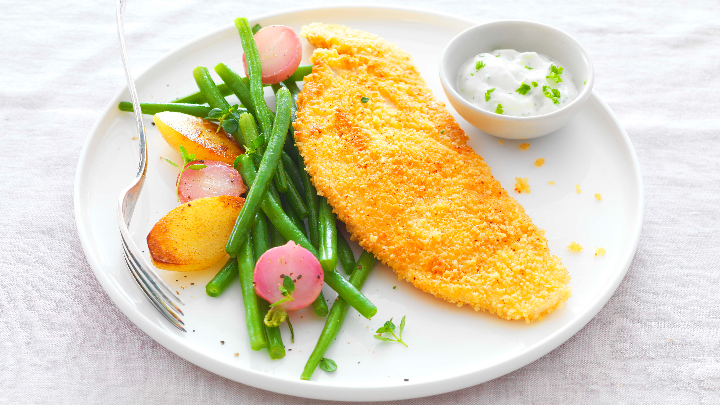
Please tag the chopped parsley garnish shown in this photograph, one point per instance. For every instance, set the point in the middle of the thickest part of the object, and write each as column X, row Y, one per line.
column 499, row 109
column 535, row 84
column 523, row 89
column 487, row 94
column 528, row 68
column 479, row 65
column 585, row 82
column 555, row 72
column 552, row 94
column 364, row 100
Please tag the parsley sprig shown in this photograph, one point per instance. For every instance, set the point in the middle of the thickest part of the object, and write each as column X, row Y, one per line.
column 389, row 327
column 523, row 89
column 286, row 289
column 555, row 72
column 227, row 119
column 187, row 158
column 552, row 94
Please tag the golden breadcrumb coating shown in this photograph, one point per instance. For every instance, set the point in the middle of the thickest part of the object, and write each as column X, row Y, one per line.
column 396, row 169
column 521, row 185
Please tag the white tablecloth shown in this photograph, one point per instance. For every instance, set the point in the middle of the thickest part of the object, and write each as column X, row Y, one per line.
column 63, row 341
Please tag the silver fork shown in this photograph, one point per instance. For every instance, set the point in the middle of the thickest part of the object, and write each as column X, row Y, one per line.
column 159, row 294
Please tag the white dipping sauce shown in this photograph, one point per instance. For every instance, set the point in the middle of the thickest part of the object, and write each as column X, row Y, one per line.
column 510, row 73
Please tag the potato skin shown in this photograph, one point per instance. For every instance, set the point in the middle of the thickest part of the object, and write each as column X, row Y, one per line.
column 193, row 235
column 198, row 136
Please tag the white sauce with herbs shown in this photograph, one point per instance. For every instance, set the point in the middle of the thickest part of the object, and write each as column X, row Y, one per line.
column 510, row 74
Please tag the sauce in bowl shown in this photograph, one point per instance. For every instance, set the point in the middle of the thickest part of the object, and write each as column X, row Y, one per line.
column 516, row 84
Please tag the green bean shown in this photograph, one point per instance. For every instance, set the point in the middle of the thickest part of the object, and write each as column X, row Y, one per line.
column 248, row 128
column 207, row 86
column 154, row 108
column 236, row 85
column 299, row 75
column 226, row 88
column 289, row 146
column 337, row 315
column 275, row 238
column 252, row 59
column 296, row 201
column 292, row 171
column 281, row 178
column 351, row 294
column 312, row 201
column 289, row 231
column 263, row 114
column 271, row 206
column 216, row 100
column 328, row 237
column 296, row 220
column 269, row 162
column 246, row 263
column 222, row 279
column 275, row 345
column 345, row 254
column 198, row 98
column 261, row 244
column 319, row 305
column 257, row 94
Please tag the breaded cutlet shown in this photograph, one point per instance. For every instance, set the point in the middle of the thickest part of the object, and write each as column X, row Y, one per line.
column 395, row 166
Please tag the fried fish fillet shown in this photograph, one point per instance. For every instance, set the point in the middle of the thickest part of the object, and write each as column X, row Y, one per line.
column 395, row 167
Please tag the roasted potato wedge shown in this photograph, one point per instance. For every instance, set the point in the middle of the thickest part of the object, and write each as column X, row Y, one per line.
column 198, row 136
column 193, row 236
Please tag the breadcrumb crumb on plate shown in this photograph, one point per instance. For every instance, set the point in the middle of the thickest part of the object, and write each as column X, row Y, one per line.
column 525, row 146
column 521, row 185
column 598, row 197
column 575, row 247
column 540, row 162
column 577, row 188
column 599, row 252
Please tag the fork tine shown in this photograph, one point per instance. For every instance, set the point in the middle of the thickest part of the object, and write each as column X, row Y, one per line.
column 148, row 287
column 162, row 309
column 153, row 277
column 149, row 280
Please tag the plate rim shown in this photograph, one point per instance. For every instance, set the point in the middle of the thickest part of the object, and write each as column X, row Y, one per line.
column 333, row 391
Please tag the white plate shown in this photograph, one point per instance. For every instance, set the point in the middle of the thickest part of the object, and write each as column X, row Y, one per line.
column 450, row 347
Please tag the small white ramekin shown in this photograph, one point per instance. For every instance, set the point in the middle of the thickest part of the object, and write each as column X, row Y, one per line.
column 522, row 36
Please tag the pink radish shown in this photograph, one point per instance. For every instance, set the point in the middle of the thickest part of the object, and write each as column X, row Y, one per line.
column 296, row 262
column 216, row 179
column 280, row 53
